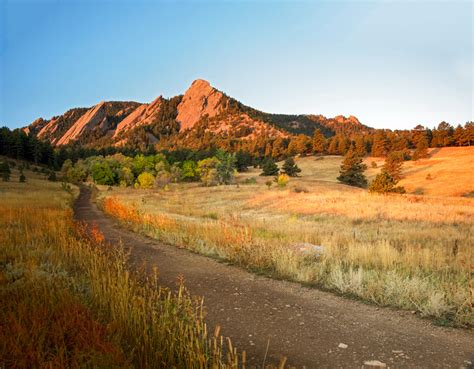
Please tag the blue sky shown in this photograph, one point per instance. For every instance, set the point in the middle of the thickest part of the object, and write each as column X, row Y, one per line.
column 393, row 64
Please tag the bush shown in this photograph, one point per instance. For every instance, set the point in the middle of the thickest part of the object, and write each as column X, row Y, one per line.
column 299, row 189
column 162, row 179
column 207, row 170
column 146, row 180
column 373, row 164
column 189, row 171
column 269, row 184
column 52, row 176
column 282, row 180
column 250, row 181
column 22, row 177
column 102, row 173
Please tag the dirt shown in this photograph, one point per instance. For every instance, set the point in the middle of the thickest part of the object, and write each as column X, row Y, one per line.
column 314, row 329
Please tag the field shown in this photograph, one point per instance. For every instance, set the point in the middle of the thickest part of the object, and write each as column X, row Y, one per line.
column 69, row 300
column 412, row 251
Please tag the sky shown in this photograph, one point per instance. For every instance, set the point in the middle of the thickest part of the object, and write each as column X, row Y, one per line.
column 392, row 64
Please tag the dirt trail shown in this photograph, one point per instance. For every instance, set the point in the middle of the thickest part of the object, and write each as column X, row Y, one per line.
column 306, row 325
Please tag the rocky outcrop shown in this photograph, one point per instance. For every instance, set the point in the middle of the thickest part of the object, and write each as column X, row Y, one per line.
column 92, row 117
column 142, row 115
column 202, row 107
column 199, row 100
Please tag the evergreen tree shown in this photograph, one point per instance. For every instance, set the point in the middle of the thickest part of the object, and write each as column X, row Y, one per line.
column 5, row 171
column 421, row 150
column 384, row 183
column 360, row 147
column 393, row 165
column 352, row 170
column 269, row 168
column 319, row 142
column 380, row 145
column 459, row 136
column 243, row 160
column 290, row 168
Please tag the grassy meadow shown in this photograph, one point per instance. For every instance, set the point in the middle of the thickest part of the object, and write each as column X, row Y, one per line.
column 69, row 301
column 407, row 251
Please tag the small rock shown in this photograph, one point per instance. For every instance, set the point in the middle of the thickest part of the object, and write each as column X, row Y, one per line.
column 342, row 345
column 375, row 364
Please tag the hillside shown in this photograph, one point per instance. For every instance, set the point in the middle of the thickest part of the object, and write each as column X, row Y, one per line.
column 183, row 120
column 447, row 172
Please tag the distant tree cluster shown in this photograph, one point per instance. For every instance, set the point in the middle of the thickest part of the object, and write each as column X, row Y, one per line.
column 148, row 171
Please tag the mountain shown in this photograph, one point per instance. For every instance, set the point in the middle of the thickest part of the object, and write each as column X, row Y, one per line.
column 200, row 117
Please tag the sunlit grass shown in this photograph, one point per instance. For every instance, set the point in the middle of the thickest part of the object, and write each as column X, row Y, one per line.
column 70, row 301
column 413, row 252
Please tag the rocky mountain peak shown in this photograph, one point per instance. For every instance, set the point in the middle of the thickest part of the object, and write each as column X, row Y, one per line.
column 200, row 99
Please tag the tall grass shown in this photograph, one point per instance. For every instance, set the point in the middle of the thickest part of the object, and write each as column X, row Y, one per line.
column 69, row 300
column 433, row 281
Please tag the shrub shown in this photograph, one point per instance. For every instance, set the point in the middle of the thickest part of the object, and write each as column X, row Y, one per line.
column 189, row 171
column 162, row 179
column 250, row 181
column 373, row 164
column 146, row 180
column 102, row 173
column 269, row 184
column 207, row 170
column 22, row 177
column 52, row 176
column 299, row 189
column 282, row 180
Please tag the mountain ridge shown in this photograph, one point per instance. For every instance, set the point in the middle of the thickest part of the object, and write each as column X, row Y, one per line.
column 202, row 110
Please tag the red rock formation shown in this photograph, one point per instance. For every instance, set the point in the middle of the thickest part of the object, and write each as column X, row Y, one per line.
column 200, row 99
column 91, row 118
column 140, row 116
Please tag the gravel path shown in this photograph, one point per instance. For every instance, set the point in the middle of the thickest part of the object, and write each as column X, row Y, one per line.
column 314, row 329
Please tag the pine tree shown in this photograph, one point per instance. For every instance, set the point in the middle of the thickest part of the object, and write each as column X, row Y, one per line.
column 384, row 183
column 380, row 145
column 459, row 136
column 352, row 170
column 393, row 165
column 290, row 168
column 319, row 142
column 421, row 147
column 269, row 168
column 360, row 147
column 5, row 171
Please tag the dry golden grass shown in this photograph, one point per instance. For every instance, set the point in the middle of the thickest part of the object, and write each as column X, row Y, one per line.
column 69, row 301
column 408, row 251
column 448, row 172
